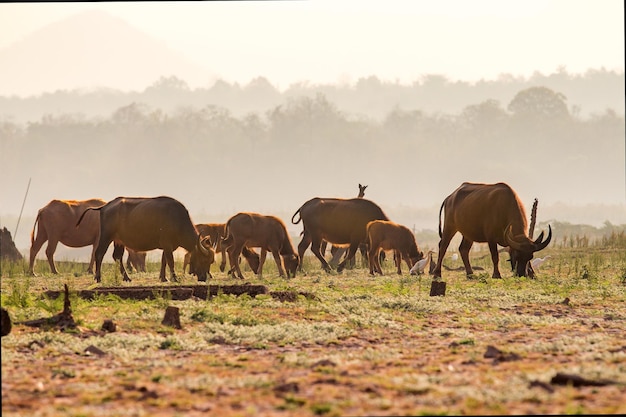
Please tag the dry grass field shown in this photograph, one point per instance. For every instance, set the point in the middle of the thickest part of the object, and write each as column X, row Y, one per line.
column 361, row 346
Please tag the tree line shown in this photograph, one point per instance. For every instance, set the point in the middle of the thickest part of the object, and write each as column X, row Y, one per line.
column 306, row 141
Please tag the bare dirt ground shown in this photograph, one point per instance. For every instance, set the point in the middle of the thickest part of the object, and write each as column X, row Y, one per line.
column 366, row 346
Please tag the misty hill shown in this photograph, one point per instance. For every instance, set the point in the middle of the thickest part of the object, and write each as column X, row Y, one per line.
column 84, row 51
column 95, row 85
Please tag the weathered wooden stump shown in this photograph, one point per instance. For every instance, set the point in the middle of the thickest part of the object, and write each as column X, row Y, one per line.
column 109, row 326
column 437, row 288
column 172, row 317
column 64, row 320
column 6, row 322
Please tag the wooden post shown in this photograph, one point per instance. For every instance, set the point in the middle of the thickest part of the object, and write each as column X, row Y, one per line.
column 437, row 288
column 172, row 317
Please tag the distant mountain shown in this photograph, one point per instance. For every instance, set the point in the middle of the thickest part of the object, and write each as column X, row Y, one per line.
column 85, row 51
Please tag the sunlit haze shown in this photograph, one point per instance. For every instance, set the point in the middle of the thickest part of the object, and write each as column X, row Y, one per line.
column 260, row 105
column 341, row 41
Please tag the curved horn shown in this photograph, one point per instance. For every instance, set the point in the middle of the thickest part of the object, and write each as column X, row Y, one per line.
column 509, row 239
column 539, row 238
column 201, row 246
column 542, row 245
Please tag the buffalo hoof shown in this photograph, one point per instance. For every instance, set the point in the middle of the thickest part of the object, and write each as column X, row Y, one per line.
column 126, row 279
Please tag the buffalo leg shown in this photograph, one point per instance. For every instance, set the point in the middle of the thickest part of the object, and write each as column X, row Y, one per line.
column 186, row 261
column 315, row 248
column 302, row 247
column 118, row 256
column 167, row 259
column 337, row 252
column 363, row 249
column 233, row 256
column 464, row 249
column 407, row 259
column 351, row 253
column 446, row 237
column 50, row 249
column 279, row 262
column 495, row 258
column 262, row 258
column 323, row 248
column 41, row 238
column 92, row 261
column 398, row 256
column 222, row 251
column 103, row 246
column 372, row 262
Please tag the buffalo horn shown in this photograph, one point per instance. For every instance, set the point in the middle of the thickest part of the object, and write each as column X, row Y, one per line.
column 201, row 246
column 539, row 245
column 509, row 239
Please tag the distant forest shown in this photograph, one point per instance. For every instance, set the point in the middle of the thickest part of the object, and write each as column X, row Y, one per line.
column 230, row 148
column 593, row 92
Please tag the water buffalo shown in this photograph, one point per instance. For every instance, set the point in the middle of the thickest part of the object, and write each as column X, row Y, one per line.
column 489, row 213
column 255, row 230
column 338, row 221
column 57, row 223
column 387, row 235
column 337, row 251
column 143, row 224
column 216, row 232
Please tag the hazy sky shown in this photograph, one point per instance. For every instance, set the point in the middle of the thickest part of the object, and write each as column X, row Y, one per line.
column 340, row 41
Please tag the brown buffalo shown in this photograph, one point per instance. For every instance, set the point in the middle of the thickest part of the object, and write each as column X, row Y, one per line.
column 489, row 213
column 7, row 247
column 338, row 221
column 57, row 223
column 144, row 224
column 337, row 251
column 216, row 232
column 136, row 260
column 255, row 230
column 387, row 235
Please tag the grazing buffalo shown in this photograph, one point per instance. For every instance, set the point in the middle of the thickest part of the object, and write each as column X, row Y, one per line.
column 136, row 260
column 338, row 221
column 255, row 230
column 337, row 251
column 386, row 235
column 144, row 224
column 216, row 232
column 489, row 213
column 57, row 223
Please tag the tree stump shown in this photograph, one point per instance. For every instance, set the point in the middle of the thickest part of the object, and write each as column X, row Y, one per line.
column 172, row 317
column 64, row 320
column 6, row 322
column 109, row 326
column 437, row 288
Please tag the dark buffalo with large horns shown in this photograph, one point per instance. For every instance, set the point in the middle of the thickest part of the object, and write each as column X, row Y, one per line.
column 489, row 213
column 144, row 224
column 338, row 221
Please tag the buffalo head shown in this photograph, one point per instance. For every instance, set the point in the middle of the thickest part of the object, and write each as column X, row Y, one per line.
column 522, row 249
column 201, row 259
column 291, row 263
